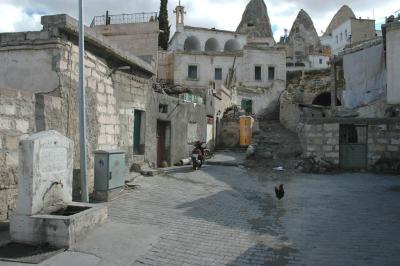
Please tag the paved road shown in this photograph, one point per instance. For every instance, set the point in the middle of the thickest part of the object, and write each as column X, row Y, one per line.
column 227, row 216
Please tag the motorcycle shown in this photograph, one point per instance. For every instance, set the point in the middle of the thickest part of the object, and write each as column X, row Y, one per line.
column 198, row 156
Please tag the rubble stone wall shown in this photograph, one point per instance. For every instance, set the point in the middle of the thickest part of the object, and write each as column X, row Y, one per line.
column 301, row 87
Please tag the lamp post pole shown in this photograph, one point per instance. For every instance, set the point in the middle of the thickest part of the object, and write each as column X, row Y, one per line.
column 82, row 108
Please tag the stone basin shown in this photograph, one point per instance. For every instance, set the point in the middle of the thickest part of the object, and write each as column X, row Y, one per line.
column 62, row 228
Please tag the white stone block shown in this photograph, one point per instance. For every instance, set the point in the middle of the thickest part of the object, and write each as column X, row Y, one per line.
column 45, row 172
column 7, row 109
column 22, row 126
column 5, row 123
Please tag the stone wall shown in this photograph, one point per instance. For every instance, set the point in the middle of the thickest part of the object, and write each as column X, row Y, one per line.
column 384, row 147
column 140, row 39
column 27, row 106
column 321, row 139
column 302, row 87
column 16, row 121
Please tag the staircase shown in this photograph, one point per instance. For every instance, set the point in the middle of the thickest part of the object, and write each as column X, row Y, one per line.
column 276, row 145
column 140, row 166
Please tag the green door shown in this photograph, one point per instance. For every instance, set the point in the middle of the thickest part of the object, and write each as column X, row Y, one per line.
column 136, row 131
column 353, row 147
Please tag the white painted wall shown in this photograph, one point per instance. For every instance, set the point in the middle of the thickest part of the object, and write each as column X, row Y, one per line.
column 392, row 61
column 205, row 67
column 245, row 64
column 318, row 61
column 339, row 39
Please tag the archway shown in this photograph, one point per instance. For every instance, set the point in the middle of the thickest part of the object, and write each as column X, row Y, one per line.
column 324, row 99
column 192, row 44
column 212, row 45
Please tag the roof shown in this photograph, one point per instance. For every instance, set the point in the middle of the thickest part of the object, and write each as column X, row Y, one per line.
column 213, row 30
column 68, row 24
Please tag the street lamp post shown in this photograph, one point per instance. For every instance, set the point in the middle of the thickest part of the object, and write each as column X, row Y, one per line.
column 82, row 108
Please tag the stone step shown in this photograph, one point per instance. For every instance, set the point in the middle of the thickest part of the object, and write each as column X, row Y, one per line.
column 131, row 176
column 149, row 172
column 138, row 158
column 137, row 167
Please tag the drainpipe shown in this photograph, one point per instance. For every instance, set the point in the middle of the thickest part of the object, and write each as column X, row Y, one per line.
column 82, row 108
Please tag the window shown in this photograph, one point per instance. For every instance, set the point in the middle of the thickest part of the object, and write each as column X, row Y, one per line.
column 257, row 73
column 345, row 33
column 320, row 61
column 247, row 106
column 163, row 108
column 218, row 74
column 337, row 39
column 271, row 73
column 192, row 72
column 341, row 36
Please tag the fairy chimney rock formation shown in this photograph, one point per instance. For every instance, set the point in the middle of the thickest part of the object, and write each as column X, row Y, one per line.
column 255, row 21
column 303, row 35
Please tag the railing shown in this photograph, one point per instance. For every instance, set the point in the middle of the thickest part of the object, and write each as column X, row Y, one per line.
column 124, row 19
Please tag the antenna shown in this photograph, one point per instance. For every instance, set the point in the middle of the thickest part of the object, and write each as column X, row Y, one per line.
column 373, row 13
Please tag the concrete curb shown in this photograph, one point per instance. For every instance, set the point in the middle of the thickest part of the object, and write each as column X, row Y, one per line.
column 234, row 164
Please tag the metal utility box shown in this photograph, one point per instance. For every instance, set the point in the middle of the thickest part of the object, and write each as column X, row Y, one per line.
column 109, row 169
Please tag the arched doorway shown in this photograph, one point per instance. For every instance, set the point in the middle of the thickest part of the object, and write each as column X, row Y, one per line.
column 324, row 99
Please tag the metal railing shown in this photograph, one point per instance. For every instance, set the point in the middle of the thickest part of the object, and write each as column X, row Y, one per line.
column 124, row 18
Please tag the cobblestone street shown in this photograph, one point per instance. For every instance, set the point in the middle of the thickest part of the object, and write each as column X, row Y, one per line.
column 226, row 216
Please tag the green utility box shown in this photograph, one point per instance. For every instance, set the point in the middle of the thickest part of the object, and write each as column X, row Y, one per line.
column 109, row 171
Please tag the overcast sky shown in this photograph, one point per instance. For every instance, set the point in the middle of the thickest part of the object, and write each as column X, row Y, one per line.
column 24, row 15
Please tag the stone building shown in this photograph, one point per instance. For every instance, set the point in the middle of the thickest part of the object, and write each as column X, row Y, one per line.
column 210, row 61
column 133, row 33
column 346, row 30
column 39, row 91
column 360, row 129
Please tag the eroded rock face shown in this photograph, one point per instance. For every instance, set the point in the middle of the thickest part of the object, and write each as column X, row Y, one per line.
column 255, row 20
column 341, row 16
column 303, row 35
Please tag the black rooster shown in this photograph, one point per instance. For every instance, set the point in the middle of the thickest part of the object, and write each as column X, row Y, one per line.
column 279, row 192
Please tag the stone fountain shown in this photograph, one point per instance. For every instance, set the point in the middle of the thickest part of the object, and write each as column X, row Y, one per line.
column 45, row 213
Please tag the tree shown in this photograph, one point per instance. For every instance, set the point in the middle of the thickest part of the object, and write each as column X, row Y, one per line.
column 164, row 26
